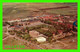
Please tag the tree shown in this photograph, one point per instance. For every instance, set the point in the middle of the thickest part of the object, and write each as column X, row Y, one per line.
column 7, row 23
column 48, row 22
column 47, row 33
column 27, row 36
column 49, row 39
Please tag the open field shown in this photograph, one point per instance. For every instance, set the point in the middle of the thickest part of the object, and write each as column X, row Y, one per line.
column 60, row 44
column 23, row 10
column 12, row 42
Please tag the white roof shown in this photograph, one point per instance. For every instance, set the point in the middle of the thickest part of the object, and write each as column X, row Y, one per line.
column 41, row 39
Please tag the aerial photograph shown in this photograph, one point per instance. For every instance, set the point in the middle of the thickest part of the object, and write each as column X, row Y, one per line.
column 40, row 26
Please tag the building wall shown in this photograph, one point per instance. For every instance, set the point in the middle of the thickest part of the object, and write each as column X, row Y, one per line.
column 34, row 34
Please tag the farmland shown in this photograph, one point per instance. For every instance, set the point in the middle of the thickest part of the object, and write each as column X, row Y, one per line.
column 23, row 10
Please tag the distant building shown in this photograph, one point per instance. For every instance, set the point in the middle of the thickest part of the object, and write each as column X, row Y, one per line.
column 53, row 33
column 60, row 32
column 71, row 21
column 18, row 28
column 60, row 21
column 34, row 33
column 11, row 28
column 69, row 34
